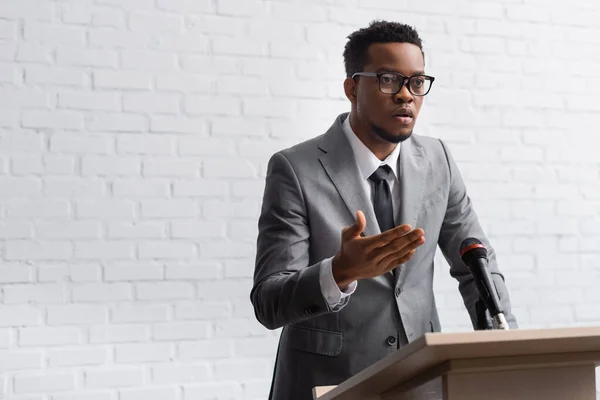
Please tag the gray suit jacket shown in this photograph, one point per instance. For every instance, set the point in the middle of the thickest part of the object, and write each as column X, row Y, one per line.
column 312, row 191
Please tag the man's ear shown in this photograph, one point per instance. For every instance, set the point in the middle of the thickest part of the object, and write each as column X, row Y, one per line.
column 350, row 89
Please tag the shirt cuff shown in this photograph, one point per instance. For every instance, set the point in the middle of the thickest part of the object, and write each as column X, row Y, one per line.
column 331, row 292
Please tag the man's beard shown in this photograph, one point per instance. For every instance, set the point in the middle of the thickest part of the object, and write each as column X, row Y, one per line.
column 388, row 137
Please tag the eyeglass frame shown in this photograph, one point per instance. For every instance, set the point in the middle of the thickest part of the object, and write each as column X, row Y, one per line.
column 404, row 80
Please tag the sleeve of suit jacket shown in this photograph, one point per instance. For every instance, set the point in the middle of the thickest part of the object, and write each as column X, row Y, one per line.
column 461, row 222
column 286, row 288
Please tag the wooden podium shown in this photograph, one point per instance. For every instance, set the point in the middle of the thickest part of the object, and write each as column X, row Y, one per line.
column 540, row 364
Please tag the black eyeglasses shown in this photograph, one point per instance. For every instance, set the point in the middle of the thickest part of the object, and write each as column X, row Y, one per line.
column 392, row 82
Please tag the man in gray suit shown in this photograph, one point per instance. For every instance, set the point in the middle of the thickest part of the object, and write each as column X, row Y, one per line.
column 346, row 300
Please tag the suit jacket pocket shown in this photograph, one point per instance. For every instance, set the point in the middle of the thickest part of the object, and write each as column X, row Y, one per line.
column 327, row 343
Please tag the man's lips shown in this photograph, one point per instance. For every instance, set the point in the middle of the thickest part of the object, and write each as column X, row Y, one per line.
column 404, row 116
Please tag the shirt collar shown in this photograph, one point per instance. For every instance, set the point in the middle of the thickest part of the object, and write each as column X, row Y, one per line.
column 366, row 160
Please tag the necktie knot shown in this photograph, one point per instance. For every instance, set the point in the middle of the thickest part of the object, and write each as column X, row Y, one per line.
column 380, row 174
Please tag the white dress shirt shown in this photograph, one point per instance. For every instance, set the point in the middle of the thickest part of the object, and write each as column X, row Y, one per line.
column 367, row 164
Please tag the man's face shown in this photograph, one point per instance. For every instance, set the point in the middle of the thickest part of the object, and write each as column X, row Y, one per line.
column 380, row 112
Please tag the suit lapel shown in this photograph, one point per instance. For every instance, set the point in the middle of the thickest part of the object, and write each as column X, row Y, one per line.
column 340, row 164
column 413, row 173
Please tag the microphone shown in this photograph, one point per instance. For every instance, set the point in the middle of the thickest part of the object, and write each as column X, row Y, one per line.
column 474, row 255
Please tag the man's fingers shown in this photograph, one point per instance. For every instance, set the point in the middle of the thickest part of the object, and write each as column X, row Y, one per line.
column 393, row 260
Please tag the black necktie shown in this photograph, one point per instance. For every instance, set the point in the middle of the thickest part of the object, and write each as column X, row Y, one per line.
column 382, row 198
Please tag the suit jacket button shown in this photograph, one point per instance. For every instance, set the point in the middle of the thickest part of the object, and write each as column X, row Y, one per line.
column 391, row 340
column 398, row 291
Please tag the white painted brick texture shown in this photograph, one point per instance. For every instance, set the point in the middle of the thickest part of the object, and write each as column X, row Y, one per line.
column 134, row 139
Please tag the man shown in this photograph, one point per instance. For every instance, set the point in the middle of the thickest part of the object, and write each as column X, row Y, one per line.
column 348, row 300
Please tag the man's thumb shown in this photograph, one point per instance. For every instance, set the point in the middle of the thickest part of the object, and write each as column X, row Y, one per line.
column 359, row 225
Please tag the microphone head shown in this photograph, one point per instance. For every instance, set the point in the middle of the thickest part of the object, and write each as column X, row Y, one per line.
column 471, row 249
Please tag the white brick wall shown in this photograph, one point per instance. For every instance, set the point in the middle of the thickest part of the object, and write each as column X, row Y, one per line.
column 134, row 137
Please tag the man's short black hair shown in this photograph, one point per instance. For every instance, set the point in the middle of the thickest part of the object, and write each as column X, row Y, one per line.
column 355, row 52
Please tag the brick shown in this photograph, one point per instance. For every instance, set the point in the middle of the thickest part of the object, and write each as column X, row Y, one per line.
column 238, row 126
column 175, row 331
column 118, row 334
column 105, row 209
column 77, row 357
column 191, row 230
column 202, row 310
column 31, row 10
column 21, row 142
column 255, row 347
column 180, row 374
column 174, row 167
column 132, row 80
column 83, row 57
column 65, row 143
column 225, row 289
column 53, row 34
column 37, row 209
column 142, row 353
column 151, row 103
column 20, row 360
column 101, row 292
column 299, row 12
column 221, row 209
column 89, row 101
column 83, row 396
column 17, row 273
column 206, row 146
column 138, row 230
column 204, row 349
column 133, row 272
column 45, row 75
column 16, row 230
column 25, row 250
column 228, row 168
column 239, row 370
column 73, row 188
column 233, row 249
column 110, row 165
column 210, row 105
column 241, row 269
column 167, row 250
column 59, row 165
column 114, row 378
column 38, row 293
column 217, row 65
column 104, row 250
column 164, row 291
column 183, row 82
column 129, row 313
column 150, row 394
column 180, row 208
column 118, row 123
column 212, row 390
column 59, row 336
column 108, row 17
column 76, row 315
column 27, row 165
column 168, row 124
column 76, row 273
column 200, row 188
column 44, row 383
column 10, row 118
column 52, row 119
column 142, row 22
column 148, row 61
column 265, row 107
column 140, row 188
column 187, row 6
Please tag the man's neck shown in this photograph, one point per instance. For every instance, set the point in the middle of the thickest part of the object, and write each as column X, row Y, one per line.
column 381, row 148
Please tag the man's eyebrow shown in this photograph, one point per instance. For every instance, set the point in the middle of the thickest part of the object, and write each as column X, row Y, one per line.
column 385, row 69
